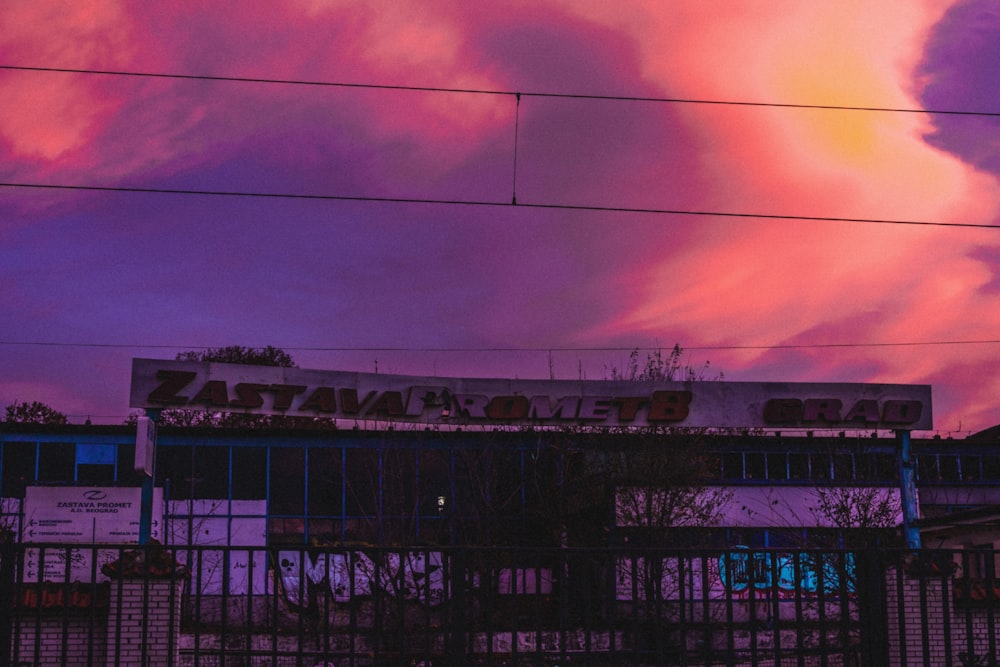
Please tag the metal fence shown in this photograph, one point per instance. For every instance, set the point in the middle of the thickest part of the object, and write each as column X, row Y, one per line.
column 347, row 606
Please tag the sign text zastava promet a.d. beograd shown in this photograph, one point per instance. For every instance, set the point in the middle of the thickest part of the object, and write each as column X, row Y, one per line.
column 267, row 390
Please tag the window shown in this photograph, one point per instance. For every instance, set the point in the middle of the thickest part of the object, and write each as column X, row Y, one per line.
column 798, row 466
column 174, row 471
column 287, row 481
column 971, row 468
column 361, row 481
column 398, row 492
column 732, row 465
column 434, row 483
column 886, row 467
column 326, row 482
column 249, row 473
column 991, row 468
column 211, row 472
column 95, row 464
column 927, row 468
column 57, row 462
column 18, row 468
column 948, row 467
column 843, row 467
column 777, row 466
column 126, row 474
column 820, row 466
column 193, row 472
column 756, row 468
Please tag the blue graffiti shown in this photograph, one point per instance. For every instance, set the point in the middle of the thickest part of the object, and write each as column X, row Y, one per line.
column 808, row 573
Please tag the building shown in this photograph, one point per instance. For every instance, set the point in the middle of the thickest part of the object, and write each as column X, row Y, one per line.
column 562, row 506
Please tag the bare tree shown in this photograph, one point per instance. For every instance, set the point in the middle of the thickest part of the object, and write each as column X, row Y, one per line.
column 238, row 354
column 863, row 515
column 660, row 367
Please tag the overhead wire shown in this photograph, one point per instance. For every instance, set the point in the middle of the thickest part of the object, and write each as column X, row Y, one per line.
column 513, row 202
column 536, row 205
column 529, row 349
column 487, row 91
column 483, row 203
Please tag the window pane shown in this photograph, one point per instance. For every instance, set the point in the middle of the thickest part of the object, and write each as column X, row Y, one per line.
column 949, row 467
column 324, row 531
column 435, row 482
column 326, row 486
column 95, row 475
column 927, row 468
column 285, row 531
column 56, row 462
column 798, row 466
column 95, row 464
column 991, row 468
column 886, row 467
column 755, row 466
column 361, row 482
column 970, row 468
column 777, row 466
column 18, row 468
column 249, row 473
column 843, row 467
column 820, row 466
column 127, row 476
column 96, row 454
column 211, row 466
column 288, row 481
column 399, row 483
column 174, row 472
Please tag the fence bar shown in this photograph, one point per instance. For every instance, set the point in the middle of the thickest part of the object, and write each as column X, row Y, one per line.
column 368, row 606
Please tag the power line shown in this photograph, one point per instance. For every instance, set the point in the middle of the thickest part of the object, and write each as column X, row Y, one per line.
column 460, row 202
column 485, row 91
column 511, row 204
column 687, row 348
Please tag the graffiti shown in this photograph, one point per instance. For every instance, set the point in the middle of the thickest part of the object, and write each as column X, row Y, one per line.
column 411, row 575
column 737, row 574
column 787, row 574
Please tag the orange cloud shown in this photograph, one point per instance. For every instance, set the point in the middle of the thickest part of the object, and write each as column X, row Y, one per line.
column 746, row 282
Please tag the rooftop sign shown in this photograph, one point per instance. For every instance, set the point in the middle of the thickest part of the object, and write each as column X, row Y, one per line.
column 297, row 392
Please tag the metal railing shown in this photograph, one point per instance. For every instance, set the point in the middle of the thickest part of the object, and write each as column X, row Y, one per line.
column 363, row 605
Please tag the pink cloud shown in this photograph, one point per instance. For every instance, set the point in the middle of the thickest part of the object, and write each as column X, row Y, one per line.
column 46, row 116
column 536, row 277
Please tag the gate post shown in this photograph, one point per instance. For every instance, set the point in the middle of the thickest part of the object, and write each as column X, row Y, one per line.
column 144, row 622
column 8, row 558
column 144, row 612
column 908, row 489
column 458, row 607
column 872, row 612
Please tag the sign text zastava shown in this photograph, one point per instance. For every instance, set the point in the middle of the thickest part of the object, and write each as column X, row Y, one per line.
column 178, row 389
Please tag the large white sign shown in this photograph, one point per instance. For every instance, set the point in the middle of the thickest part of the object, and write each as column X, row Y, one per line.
column 87, row 515
column 214, row 387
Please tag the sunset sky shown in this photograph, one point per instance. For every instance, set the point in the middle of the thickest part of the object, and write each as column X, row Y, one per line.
column 395, row 245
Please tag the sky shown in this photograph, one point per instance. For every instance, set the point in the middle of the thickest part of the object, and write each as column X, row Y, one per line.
column 679, row 175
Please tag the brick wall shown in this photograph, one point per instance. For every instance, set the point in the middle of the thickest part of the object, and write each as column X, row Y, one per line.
column 74, row 639
column 925, row 627
column 144, row 622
